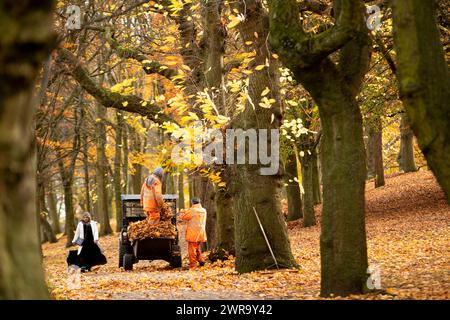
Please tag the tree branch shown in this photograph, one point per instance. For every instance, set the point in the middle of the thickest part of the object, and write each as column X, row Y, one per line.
column 148, row 66
column 295, row 45
column 109, row 99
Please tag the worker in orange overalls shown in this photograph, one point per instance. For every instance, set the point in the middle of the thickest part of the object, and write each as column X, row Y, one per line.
column 195, row 231
column 151, row 195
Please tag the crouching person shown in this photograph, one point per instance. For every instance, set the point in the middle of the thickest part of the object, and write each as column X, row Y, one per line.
column 195, row 231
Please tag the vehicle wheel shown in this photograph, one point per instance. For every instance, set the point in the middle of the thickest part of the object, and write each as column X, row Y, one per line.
column 122, row 251
column 175, row 262
column 128, row 261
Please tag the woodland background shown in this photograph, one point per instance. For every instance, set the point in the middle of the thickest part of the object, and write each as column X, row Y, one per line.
column 360, row 112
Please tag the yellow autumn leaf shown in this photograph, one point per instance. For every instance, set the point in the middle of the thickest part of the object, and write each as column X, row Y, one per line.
column 234, row 21
column 265, row 92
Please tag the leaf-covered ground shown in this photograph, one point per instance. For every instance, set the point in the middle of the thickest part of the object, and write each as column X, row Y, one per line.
column 408, row 233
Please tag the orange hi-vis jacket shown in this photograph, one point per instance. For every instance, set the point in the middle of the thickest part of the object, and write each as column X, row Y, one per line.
column 151, row 197
column 196, row 217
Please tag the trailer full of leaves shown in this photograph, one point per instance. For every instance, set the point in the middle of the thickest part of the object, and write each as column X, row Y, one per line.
column 145, row 229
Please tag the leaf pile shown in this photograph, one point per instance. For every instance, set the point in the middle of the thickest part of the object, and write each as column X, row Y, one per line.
column 143, row 230
column 166, row 212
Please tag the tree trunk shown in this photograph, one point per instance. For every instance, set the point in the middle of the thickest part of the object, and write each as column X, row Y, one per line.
column 42, row 212
column 52, row 207
column 307, row 145
column 136, row 178
column 256, row 192
column 343, row 238
column 224, row 221
column 169, row 185
column 87, row 192
column 39, row 207
column 334, row 88
column 67, row 175
column 117, row 171
column 181, row 199
column 424, row 83
column 47, row 229
column 69, row 227
column 316, row 177
column 101, row 164
column 370, row 139
column 125, row 158
column 375, row 151
column 294, row 199
column 213, row 50
column 191, row 187
column 405, row 157
column 309, row 218
column 378, row 156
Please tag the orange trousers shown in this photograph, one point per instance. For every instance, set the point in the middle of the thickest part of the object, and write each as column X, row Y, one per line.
column 195, row 254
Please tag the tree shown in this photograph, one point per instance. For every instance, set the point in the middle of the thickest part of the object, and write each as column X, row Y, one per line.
column 294, row 199
column 117, row 169
column 374, row 131
column 53, row 210
column 308, row 149
column 30, row 34
column 66, row 165
column 256, row 192
column 423, row 80
column 405, row 157
column 334, row 88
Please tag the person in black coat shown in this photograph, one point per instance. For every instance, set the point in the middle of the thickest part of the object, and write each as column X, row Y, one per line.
column 89, row 254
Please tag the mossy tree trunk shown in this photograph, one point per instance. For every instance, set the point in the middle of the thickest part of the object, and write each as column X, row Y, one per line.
column 25, row 43
column 334, row 88
column 256, row 192
column 213, row 44
column 424, row 82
